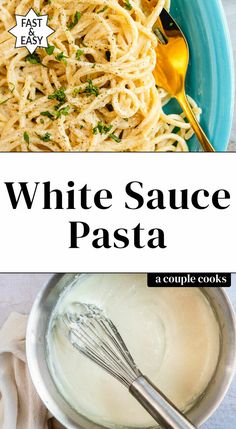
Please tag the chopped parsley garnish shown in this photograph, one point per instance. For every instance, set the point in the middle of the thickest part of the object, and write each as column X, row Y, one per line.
column 102, row 10
column 11, row 91
column 50, row 49
column 58, row 95
column 91, row 89
column 75, row 21
column 33, row 58
column 64, row 111
column 102, row 128
column 127, row 5
column 61, row 57
column 58, row 114
column 48, row 115
column 26, row 137
column 115, row 138
column 79, row 53
column 45, row 138
column 76, row 92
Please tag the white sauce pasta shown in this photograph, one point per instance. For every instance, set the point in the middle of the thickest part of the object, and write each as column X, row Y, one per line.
column 93, row 89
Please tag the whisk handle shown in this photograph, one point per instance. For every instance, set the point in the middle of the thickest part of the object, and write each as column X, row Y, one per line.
column 160, row 408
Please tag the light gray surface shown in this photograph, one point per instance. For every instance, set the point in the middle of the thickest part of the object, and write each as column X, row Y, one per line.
column 230, row 10
column 17, row 292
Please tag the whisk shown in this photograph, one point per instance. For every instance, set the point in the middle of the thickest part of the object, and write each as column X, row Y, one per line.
column 95, row 336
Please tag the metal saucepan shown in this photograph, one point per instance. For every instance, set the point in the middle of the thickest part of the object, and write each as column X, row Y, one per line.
column 36, row 348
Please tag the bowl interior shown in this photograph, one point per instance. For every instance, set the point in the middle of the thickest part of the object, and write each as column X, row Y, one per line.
column 210, row 78
column 36, row 347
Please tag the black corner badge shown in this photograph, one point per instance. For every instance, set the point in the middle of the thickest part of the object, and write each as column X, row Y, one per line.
column 189, row 279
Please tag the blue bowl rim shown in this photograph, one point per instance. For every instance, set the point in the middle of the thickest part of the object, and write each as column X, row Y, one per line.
column 218, row 122
column 226, row 66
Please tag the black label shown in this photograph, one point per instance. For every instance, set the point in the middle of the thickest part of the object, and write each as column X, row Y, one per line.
column 189, row 279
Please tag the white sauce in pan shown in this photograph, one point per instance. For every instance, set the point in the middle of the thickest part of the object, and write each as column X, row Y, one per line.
column 172, row 334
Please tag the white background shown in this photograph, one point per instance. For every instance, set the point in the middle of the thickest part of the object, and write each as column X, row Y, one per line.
column 38, row 240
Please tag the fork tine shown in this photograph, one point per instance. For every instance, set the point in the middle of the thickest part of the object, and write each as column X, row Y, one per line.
column 160, row 35
column 169, row 25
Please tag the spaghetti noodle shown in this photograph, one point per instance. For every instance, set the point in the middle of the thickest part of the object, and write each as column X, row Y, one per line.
column 93, row 88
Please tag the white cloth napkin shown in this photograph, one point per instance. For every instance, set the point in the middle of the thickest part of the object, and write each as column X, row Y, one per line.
column 20, row 406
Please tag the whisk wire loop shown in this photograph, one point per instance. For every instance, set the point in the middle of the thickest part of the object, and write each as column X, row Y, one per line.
column 97, row 338
column 108, row 352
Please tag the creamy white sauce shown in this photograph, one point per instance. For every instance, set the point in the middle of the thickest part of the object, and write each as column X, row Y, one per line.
column 172, row 334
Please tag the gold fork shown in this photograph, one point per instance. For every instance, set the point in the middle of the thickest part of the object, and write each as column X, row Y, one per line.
column 171, row 66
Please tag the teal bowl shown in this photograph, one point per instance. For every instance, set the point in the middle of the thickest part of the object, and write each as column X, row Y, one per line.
column 210, row 79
